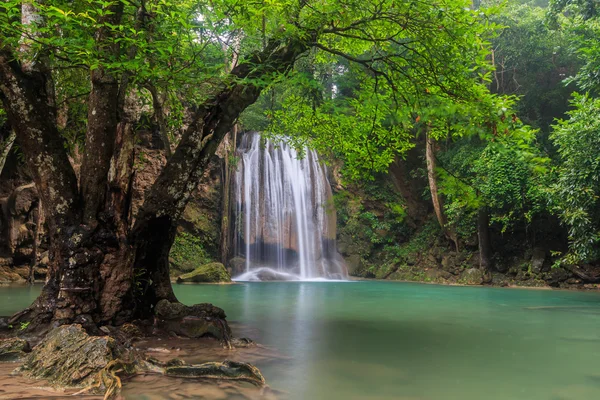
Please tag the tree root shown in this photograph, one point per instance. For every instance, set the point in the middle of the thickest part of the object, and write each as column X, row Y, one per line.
column 69, row 357
column 109, row 381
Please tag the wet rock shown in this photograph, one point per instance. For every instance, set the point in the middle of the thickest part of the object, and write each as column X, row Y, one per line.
column 353, row 263
column 192, row 321
column 69, row 357
column 473, row 276
column 557, row 275
column 218, row 370
column 436, row 275
column 13, row 349
column 237, row 266
column 268, row 274
column 242, row 342
column 208, row 273
column 537, row 260
column 131, row 331
column 8, row 275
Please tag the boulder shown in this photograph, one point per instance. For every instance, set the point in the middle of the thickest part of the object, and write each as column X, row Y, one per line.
column 226, row 370
column 7, row 275
column 237, row 266
column 192, row 321
column 537, row 260
column 353, row 263
column 208, row 273
column 69, row 357
column 473, row 276
column 13, row 349
column 557, row 275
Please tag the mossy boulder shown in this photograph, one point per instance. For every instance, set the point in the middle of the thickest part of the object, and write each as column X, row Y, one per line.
column 473, row 276
column 13, row 349
column 69, row 357
column 208, row 273
column 192, row 321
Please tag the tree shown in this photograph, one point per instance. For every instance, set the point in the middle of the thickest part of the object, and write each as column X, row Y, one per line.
column 576, row 191
column 108, row 266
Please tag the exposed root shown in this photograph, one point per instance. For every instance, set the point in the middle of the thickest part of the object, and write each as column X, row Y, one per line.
column 69, row 357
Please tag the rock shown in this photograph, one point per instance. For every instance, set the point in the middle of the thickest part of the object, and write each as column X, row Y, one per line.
column 435, row 275
column 218, row 370
column 267, row 274
column 242, row 342
column 537, row 260
column 209, row 273
column 185, row 266
column 44, row 259
column 22, row 199
column 354, row 264
column 13, row 349
column 557, row 275
column 192, row 321
column 237, row 266
column 473, row 276
column 7, row 275
column 131, row 331
column 69, row 357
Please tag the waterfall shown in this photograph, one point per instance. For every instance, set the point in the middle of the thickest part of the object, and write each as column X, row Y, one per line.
column 284, row 218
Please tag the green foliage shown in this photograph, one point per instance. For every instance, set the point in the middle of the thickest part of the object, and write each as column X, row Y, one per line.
column 576, row 192
column 531, row 61
column 188, row 250
column 419, row 243
column 581, row 19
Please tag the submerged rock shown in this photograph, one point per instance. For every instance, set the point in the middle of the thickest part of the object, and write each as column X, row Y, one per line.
column 218, row 370
column 13, row 349
column 192, row 321
column 208, row 273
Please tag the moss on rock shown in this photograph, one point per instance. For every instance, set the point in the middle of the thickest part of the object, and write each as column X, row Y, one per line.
column 13, row 349
column 208, row 273
column 192, row 321
column 69, row 357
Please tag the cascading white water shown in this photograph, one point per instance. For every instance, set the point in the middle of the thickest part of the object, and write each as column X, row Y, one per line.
column 284, row 216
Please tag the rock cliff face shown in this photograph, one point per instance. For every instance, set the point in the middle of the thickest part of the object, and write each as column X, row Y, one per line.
column 21, row 213
column 22, row 234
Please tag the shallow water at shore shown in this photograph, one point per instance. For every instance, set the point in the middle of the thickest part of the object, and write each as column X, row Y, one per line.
column 389, row 340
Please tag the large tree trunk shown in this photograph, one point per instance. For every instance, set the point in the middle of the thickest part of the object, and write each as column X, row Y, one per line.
column 436, row 198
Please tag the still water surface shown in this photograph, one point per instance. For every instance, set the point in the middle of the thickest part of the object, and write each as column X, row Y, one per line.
column 388, row 340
